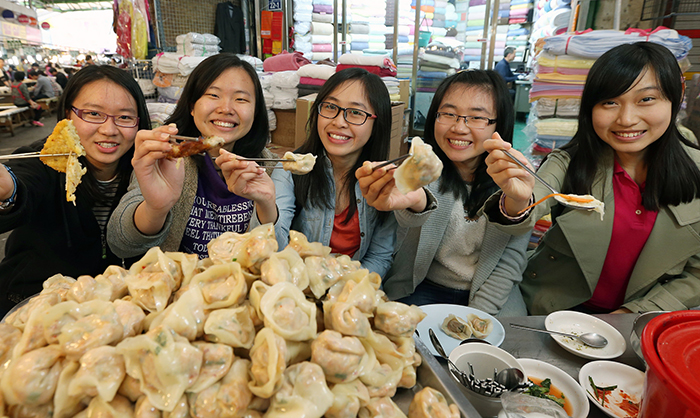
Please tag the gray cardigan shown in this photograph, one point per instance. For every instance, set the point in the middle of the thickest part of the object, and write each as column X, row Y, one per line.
column 125, row 240
column 494, row 287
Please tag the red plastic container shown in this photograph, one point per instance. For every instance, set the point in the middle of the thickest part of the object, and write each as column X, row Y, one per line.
column 671, row 348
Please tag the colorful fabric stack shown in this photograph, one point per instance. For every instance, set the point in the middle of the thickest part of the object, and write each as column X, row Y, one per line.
column 551, row 17
column 383, row 66
column 265, row 82
column 435, row 63
column 313, row 76
column 405, row 23
column 303, row 15
column 520, row 11
column 369, row 26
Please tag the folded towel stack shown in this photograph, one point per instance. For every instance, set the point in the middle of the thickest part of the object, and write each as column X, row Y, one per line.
column 197, row 45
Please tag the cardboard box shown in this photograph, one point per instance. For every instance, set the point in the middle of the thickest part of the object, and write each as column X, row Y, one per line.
column 304, row 106
column 284, row 134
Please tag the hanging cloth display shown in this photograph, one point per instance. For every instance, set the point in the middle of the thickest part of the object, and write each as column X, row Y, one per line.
column 229, row 27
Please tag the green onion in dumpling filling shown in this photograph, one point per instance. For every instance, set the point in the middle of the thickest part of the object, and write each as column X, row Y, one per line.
column 456, row 327
column 480, row 326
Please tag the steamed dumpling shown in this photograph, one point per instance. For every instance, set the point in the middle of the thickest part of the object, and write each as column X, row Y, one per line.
column 457, row 327
column 482, row 327
column 429, row 403
column 420, row 169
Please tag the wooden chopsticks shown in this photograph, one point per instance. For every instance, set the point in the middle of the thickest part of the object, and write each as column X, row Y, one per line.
column 29, row 155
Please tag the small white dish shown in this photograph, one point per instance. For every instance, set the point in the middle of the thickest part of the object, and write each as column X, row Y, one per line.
column 437, row 313
column 629, row 381
column 579, row 323
column 566, row 384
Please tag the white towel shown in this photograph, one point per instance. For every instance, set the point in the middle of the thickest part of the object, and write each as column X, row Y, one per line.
column 321, row 28
column 321, row 72
column 285, row 79
column 320, row 56
column 376, row 60
column 198, row 38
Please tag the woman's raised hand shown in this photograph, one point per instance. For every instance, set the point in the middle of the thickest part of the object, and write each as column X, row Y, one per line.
column 247, row 179
column 160, row 179
column 378, row 187
column 7, row 186
column 516, row 183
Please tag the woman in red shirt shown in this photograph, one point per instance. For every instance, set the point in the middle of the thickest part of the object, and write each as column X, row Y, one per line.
column 628, row 153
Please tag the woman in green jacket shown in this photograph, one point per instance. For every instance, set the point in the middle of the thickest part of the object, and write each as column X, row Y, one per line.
column 628, row 153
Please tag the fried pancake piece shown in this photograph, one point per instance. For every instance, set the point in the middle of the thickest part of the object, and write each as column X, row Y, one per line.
column 188, row 148
column 63, row 140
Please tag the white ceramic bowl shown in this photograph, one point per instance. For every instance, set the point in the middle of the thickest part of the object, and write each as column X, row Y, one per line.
column 484, row 359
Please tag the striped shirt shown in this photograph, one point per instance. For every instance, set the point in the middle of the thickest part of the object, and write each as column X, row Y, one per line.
column 109, row 190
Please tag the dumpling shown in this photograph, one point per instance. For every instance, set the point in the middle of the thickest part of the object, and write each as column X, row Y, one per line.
column 420, row 169
column 429, row 403
column 186, row 316
column 342, row 358
column 228, row 398
column 33, row 336
column 153, row 279
column 285, row 266
column 108, row 286
column 362, row 295
column 182, row 409
column 457, row 327
column 64, row 405
column 58, row 284
column 298, row 164
column 130, row 388
column 131, row 317
column 297, row 351
column 117, row 276
column 397, row 319
column 268, row 363
column 31, row 411
column 216, row 361
column 119, row 407
column 301, row 245
column 287, row 312
column 164, row 363
column 80, row 327
column 31, row 379
column 188, row 264
column 323, row 273
column 222, row 285
column 482, row 327
column 249, row 249
column 346, row 319
column 145, row 409
column 347, row 399
column 9, row 336
column 381, row 407
column 231, row 326
column 19, row 318
column 257, row 290
column 304, row 393
column 101, row 373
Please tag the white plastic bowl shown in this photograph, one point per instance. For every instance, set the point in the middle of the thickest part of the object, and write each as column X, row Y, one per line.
column 484, row 359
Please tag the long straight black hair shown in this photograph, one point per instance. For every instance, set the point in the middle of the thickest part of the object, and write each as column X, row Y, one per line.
column 76, row 83
column 253, row 142
column 313, row 189
column 672, row 175
column 482, row 185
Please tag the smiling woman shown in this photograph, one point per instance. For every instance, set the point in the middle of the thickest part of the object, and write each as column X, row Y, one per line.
column 182, row 207
column 50, row 235
column 348, row 125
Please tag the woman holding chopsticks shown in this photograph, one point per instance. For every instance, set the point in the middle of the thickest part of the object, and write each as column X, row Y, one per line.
column 350, row 123
column 446, row 251
column 50, row 235
column 182, row 205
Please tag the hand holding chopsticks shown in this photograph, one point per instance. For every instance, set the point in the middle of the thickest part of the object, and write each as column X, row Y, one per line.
column 384, row 164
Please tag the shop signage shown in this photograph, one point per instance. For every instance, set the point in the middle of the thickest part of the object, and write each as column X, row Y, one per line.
column 274, row 5
column 33, row 34
column 7, row 14
column 32, row 21
column 45, row 25
column 23, row 19
column 10, row 30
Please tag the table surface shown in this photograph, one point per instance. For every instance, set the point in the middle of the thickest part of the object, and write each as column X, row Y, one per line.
column 528, row 344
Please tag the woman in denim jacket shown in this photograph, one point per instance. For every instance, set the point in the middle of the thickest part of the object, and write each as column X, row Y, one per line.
column 350, row 124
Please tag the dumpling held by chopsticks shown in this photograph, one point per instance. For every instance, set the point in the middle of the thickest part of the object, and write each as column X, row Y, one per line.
column 65, row 140
column 299, row 163
column 420, row 169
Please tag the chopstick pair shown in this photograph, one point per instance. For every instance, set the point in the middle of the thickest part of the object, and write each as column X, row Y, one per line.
column 29, row 155
column 384, row 164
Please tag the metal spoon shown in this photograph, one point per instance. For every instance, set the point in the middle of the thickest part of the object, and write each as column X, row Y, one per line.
column 510, row 378
column 591, row 339
column 461, row 376
column 552, row 189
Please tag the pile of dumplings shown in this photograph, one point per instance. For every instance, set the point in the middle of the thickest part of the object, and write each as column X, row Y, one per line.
column 247, row 332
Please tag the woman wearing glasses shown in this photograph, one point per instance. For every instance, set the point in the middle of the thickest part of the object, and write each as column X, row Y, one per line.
column 446, row 251
column 181, row 206
column 50, row 235
column 350, row 123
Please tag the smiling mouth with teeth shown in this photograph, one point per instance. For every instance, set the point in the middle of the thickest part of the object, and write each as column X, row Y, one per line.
column 107, row 144
column 629, row 134
column 225, row 124
column 339, row 137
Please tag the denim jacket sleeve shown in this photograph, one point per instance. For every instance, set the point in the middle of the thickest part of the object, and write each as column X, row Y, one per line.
column 379, row 255
column 286, row 205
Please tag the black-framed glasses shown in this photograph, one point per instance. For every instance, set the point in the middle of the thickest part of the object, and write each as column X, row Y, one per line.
column 93, row 116
column 352, row 116
column 474, row 122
